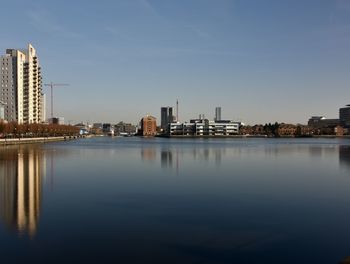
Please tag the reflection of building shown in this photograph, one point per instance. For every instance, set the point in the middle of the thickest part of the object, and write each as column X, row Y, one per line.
column 148, row 154
column 166, row 158
column 21, row 172
column 344, row 155
column 148, row 126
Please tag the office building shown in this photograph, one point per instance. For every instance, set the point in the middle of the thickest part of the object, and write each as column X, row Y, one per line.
column 124, row 129
column 344, row 116
column 21, row 85
column 166, row 117
column 217, row 114
column 148, row 126
column 2, row 111
column 322, row 122
column 204, row 127
column 108, row 129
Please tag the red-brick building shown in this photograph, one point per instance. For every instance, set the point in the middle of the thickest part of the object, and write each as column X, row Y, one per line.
column 149, row 126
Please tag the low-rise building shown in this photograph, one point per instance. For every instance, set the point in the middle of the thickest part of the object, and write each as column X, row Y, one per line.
column 322, row 122
column 287, row 130
column 108, row 129
column 148, row 126
column 124, row 129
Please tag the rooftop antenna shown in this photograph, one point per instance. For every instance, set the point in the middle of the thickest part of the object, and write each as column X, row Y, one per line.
column 52, row 85
column 177, row 110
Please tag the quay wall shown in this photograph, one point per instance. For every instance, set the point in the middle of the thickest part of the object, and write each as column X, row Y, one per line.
column 14, row 141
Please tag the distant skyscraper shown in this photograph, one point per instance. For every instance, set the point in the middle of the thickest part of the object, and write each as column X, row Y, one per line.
column 166, row 114
column 20, row 85
column 344, row 116
column 217, row 113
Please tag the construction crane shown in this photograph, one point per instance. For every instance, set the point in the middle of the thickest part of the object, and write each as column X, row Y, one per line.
column 52, row 85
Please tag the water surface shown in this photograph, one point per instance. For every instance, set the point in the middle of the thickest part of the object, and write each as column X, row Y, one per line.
column 134, row 200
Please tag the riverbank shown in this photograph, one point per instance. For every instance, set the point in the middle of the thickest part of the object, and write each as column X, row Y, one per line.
column 250, row 136
column 14, row 141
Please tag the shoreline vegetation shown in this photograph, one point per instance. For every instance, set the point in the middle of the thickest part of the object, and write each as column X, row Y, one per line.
column 14, row 133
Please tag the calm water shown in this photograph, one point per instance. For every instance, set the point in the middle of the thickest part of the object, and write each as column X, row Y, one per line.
column 133, row 200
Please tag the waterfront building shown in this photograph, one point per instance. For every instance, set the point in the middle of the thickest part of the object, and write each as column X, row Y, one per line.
column 56, row 120
column 166, row 117
column 124, row 129
column 344, row 116
column 108, row 129
column 287, row 130
column 21, row 85
column 322, row 122
column 204, row 127
column 148, row 126
column 217, row 114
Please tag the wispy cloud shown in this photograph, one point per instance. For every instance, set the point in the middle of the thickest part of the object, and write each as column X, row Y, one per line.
column 116, row 32
column 42, row 20
column 198, row 31
column 146, row 4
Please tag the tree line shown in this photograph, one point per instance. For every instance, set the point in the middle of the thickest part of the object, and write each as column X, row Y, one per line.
column 15, row 130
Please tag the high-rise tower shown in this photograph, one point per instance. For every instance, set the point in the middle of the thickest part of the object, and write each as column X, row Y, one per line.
column 344, row 115
column 166, row 117
column 21, row 86
column 217, row 113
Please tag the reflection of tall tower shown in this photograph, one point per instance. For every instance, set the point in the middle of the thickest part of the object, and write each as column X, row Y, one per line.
column 20, row 188
column 166, row 159
column 344, row 155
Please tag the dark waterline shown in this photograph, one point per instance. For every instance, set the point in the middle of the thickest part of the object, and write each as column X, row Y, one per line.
column 134, row 200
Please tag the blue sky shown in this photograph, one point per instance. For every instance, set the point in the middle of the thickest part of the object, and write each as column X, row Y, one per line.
column 261, row 61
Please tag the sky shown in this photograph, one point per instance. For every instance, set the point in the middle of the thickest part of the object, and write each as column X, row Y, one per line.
column 261, row 61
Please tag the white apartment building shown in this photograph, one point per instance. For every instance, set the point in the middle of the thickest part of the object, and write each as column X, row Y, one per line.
column 204, row 127
column 21, row 85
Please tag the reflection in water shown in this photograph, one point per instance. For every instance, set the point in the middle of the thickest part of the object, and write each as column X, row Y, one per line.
column 344, row 155
column 166, row 158
column 148, row 154
column 21, row 171
column 170, row 157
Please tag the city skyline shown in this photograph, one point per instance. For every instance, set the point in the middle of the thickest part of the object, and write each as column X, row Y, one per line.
column 277, row 61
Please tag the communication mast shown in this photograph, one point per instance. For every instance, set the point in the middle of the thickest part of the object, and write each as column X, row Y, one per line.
column 177, row 110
